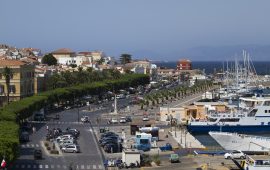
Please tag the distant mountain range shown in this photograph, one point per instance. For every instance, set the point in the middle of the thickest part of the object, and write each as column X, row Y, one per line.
column 211, row 53
column 221, row 53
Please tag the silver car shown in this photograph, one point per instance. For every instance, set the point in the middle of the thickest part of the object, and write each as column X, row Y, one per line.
column 71, row 148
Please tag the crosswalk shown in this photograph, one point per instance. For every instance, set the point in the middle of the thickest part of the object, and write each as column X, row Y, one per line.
column 30, row 145
column 57, row 166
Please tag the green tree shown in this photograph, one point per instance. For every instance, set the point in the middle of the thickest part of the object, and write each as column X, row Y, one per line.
column 49, row 59
column 101, row 61
column 125, row 58
column 7, row 73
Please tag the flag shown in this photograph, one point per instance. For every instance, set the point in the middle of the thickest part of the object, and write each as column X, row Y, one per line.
column 3, row 164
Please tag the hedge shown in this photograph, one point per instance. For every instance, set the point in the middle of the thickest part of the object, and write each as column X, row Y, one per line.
column 16, row 111
column 9, row 140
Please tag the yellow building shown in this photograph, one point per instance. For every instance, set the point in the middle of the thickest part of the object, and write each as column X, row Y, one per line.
column 21, row 82
column 197, row 111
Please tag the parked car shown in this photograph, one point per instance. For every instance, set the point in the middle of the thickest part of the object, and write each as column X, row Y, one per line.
column 108, row 134
column 122, row 120
column 71, row 148
column 64, row 137
column 113, row 148
column 235, row 155
column 24, row 136
column 85, row 119
column 145, row 118
column 111, row 141
column 74, row 132
column 174, row 158
column 37, row 154
column 108, row 138
column 66, row 142
column 114, row 121
column 128, row 119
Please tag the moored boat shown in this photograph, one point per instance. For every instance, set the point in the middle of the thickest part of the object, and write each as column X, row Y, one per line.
column 244, row 120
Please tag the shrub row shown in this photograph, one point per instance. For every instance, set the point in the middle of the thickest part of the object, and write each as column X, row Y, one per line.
column 16, row 111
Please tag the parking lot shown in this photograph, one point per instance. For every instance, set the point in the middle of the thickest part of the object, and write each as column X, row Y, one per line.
column 88, row 157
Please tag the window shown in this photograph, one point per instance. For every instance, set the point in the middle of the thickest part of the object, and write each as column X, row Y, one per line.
column 1, row 89
column 12, row 89
column 265, row 111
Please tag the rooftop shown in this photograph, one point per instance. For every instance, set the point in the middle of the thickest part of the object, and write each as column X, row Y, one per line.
column 6, row 62
column 63, row 51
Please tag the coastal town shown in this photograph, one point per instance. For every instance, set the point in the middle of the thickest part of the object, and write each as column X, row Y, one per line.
column 143, row 85
column 79, row 102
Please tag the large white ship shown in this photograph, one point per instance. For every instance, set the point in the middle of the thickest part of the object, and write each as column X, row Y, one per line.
column 252, row 116
column 246, row 143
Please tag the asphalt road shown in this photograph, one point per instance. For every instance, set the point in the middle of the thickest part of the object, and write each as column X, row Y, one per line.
column 89, row 158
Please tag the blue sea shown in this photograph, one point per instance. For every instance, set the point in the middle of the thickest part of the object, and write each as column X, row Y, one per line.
column 262, row 67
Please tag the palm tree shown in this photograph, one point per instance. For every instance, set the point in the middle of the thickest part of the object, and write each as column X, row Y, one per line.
column 7, row 74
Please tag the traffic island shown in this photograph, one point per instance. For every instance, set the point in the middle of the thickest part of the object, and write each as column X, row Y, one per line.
column 51, row 148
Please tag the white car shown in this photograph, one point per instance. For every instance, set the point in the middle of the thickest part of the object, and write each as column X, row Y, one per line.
column 114, row 121
column 85, row 119
column 235, row 155
column 66, row 142
column 122, row 120
column 71, row 148
column 145, row 118
column 64, row 137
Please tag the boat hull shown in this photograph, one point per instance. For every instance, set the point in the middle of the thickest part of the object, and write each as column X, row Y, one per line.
column 245, row 143
column 204, row 129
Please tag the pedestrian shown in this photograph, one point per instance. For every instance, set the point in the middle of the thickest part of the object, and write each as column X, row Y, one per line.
column 34, row 129
column 47, row 127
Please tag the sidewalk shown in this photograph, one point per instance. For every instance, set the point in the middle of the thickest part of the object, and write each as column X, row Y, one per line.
column 186, row 140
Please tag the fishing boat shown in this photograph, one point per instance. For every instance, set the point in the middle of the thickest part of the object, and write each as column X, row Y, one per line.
column 243, row 142
column 254, row 117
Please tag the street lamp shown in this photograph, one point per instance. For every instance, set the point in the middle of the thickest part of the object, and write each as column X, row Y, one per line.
column 186, row 139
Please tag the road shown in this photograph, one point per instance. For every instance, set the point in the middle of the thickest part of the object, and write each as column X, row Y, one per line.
column 89, row 158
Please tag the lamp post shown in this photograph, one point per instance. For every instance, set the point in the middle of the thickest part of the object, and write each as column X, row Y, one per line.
column 185, row 139
column 181, row 134
column 175, row 129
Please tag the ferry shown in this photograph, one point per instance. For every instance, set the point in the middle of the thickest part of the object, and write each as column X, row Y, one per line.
column 255, row 118
column 243, row 142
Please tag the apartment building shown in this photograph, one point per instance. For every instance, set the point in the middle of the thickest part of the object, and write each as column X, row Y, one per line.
column 21, row 82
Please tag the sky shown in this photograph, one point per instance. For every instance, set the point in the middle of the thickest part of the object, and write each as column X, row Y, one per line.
column 154, row 29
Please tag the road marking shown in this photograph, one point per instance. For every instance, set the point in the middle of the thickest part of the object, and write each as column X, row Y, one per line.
column 100, row 166
column 28, row 145
column 58, row 166
column 40, row 166
column 88, row 166
column 64, row 166
column 47, row 166
column 22, row 166
column 23, row 146
column 82, row 166
column 94, row 167
column 52, row 166
column 34, row 166
column 37, row 145
column 32, row 145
